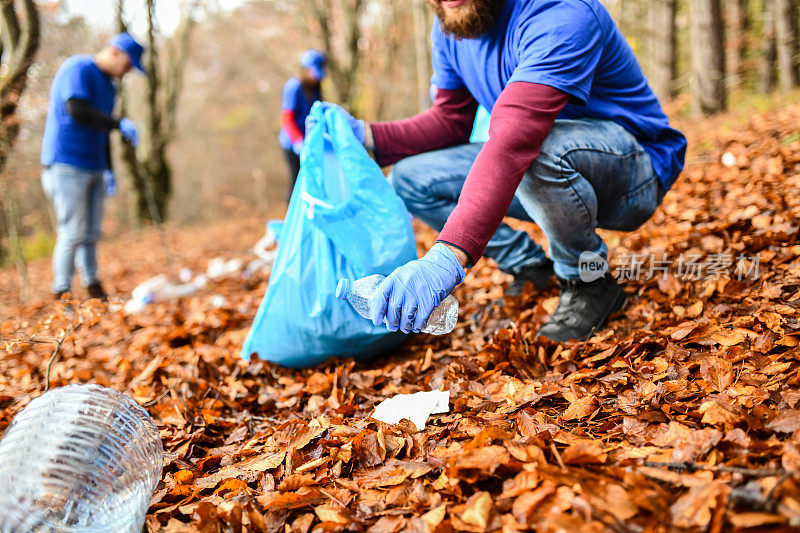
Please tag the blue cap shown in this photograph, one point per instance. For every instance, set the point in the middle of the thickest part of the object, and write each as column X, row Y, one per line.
column 343, row 289
column 126, row 43
column 314, row 60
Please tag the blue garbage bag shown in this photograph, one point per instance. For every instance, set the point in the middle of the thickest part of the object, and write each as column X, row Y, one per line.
column 344, row 221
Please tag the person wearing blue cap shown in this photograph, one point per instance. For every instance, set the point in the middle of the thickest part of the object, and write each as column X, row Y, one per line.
column 299, row 94
column 76, row 158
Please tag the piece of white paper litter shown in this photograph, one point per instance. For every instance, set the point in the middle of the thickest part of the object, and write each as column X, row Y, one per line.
column 416, row 407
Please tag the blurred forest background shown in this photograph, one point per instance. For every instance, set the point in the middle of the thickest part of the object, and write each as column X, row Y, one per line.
column 209, row 112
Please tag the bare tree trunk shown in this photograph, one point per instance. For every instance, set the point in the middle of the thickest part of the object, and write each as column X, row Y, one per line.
column 786, row 43
column 19, row 37
column 382, row 66
column 126, row 150
column 707, row 55
column 662, row 47
column 421, row 56
column 766, row 62
column 149, row 167
column 343, row 67
column 736, row 50
column 10, row 203
column 157, row 169
column 19, row 42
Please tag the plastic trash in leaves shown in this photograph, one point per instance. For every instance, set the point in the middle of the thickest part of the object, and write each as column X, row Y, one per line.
column 79, row 458
column 265, row 250
column 417, row 407
column 344, row 221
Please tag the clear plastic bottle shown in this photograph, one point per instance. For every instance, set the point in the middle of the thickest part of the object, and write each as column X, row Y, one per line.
column 80, row 458
column 442, row 320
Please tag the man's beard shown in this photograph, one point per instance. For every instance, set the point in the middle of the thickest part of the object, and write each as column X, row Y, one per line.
column 478, row 18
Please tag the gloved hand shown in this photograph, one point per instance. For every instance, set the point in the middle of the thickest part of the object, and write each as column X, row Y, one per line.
column 297, row 147
column 358, row 126
column 408, row 296
column 109, row 182
column 128, row 130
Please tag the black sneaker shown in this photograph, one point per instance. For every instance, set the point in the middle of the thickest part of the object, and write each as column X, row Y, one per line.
column 539, row 275
column 583, row 308
column 95, row 290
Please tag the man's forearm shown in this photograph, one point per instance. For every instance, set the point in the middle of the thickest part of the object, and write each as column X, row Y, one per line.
column 86, row 115
column 447, row 123
column 289, row 126
column 521, row 119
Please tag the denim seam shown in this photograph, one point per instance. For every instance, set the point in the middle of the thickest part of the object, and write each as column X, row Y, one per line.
column 433, row 183
column 626, row 155
column 641, row 188
column 576, row 196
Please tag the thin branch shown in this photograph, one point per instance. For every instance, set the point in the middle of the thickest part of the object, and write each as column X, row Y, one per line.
column 56, row 352
column 158, row 399
column 557, row 455
column 693, row 467
column 29, row 340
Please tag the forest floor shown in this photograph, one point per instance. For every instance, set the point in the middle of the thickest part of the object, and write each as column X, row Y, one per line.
column 683, row 415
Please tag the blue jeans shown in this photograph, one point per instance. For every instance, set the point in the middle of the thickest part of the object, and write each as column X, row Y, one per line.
column 589, row 174
column 77, row 197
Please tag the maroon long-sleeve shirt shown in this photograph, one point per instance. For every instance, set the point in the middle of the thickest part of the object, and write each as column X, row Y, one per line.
column 289, row 126
column 521, row 119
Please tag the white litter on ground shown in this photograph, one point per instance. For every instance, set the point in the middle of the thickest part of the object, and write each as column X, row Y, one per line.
column 417, row 407
column 219, row 267
column 157, row 289
column 728, row 159
column 160, row 288
column 185, row 275
column 218, row 301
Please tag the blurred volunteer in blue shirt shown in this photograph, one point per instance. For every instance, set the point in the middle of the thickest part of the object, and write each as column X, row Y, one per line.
column 75, row 154
column 299, row 94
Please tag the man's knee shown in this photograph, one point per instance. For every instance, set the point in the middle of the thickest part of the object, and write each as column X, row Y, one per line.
column 563, row 151
column 548, row 167
column 552, row 162
column 407, row 176
column 74, row 234
column 73, row 241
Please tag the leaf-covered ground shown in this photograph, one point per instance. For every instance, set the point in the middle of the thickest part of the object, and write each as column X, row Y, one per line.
column 684, row 415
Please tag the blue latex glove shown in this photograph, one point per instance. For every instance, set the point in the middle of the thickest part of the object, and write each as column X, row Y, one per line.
column 128, row 130
column 297, row 147
column 408, row 296
column 109, row 182
column 358, row 126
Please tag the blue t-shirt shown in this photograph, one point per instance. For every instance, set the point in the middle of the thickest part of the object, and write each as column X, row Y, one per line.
column 573, row 46
column 66, row 141
column 294, row 99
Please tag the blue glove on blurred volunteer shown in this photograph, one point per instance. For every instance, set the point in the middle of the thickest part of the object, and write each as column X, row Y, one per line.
column 408, row 296
column 128, row 130
column 297, row 147
column 109, row 182
column 358, row 126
